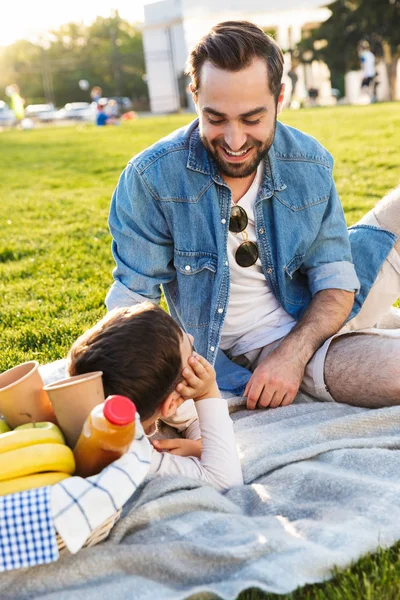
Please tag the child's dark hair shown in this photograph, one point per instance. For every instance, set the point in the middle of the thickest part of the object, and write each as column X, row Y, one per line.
column 138, row 350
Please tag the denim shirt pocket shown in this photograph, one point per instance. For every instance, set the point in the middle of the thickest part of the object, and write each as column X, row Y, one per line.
column 295, row 280
column 311, row 181
column 195, row 278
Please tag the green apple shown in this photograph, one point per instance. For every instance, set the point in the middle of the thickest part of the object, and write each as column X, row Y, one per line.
column 4, row 428
column 40, row 425
column 52, row 429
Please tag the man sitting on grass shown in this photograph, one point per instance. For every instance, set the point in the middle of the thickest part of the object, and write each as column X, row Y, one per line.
column 145, row 356
column 237, row 217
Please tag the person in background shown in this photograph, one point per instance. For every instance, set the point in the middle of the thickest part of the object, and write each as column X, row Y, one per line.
column 96, row 93
column 367, row 62
column 112, row 108
column 102, row 117
column 17, row 102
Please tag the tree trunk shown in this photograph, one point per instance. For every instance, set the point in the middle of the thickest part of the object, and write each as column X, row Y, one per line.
column 392, row 74
column 391, row 69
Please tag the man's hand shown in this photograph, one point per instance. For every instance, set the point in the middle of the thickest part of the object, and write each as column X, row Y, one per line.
column 179, row 446
column 276, row 381
column 199, row 380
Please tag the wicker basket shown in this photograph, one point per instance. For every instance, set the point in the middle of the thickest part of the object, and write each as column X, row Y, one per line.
column 93, row 508
column 98, row 535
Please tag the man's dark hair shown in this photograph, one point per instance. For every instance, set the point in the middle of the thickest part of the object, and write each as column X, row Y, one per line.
column 232, row 45
column 138, row 350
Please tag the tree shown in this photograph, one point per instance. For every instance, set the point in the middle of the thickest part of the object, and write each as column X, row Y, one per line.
column 108, row 53
column 20, row 64
column 352, row 21
column 119, row 44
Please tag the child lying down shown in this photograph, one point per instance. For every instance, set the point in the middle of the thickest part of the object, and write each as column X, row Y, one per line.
column 146, row 356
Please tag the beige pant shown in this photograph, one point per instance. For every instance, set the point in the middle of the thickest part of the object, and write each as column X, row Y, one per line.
column 384, row 292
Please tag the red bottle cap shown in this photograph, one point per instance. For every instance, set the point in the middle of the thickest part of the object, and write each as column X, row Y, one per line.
column 119, row 410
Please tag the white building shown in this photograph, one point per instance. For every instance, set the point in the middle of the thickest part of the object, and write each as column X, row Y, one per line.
column 172, row 27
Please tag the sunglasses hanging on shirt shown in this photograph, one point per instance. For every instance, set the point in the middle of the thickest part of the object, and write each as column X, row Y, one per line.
column 247, row 253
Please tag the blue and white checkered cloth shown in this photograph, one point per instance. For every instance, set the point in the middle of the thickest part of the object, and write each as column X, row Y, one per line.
column 27, row 532
column 74, row 507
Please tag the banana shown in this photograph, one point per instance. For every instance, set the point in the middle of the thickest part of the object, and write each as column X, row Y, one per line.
column 19, row 438
column 36, row 459
column 4, row 427
column 28, row 482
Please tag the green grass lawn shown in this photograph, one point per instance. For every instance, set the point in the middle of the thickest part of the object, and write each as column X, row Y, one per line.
column 55, row 257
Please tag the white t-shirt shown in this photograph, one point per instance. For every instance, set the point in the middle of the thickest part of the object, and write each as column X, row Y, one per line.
column 368, row 63
column 254, row 317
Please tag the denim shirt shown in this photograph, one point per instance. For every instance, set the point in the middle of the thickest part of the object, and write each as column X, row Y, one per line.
column 169, row 220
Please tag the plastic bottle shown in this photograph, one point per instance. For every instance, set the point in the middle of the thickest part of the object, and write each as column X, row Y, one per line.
column 107, row 434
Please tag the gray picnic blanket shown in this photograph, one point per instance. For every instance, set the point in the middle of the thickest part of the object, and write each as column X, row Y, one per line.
column 322, row 488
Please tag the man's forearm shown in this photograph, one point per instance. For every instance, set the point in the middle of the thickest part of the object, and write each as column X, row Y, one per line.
column 325, row 315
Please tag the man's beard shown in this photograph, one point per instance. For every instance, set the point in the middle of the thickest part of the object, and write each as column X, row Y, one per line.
column 239, row 170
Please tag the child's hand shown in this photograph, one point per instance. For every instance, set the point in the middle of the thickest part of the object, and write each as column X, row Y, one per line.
column 199, row 380
column 179, row 446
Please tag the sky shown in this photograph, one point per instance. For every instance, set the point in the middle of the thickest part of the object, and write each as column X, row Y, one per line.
column 27, row 20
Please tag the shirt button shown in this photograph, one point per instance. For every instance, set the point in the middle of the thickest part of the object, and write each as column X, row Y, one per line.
column 226, row 263
column 220, row 310
column 261, row 230
column 269, row 271
column 212, row 348
column 187, row 268
column 223, row 221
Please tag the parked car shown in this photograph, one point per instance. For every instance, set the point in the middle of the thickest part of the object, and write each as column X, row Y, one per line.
column 7, row 116
column 80, row 111
column 40, row 112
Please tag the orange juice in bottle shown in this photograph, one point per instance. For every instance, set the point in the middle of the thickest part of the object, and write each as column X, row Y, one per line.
column 106, row 435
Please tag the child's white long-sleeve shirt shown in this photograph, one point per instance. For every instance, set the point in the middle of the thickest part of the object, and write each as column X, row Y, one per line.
column 186, row 421
column 219, row 464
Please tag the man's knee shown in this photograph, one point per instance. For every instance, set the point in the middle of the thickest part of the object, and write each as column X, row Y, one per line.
column 387, row 213
column 392, row 379
column 364, row 370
